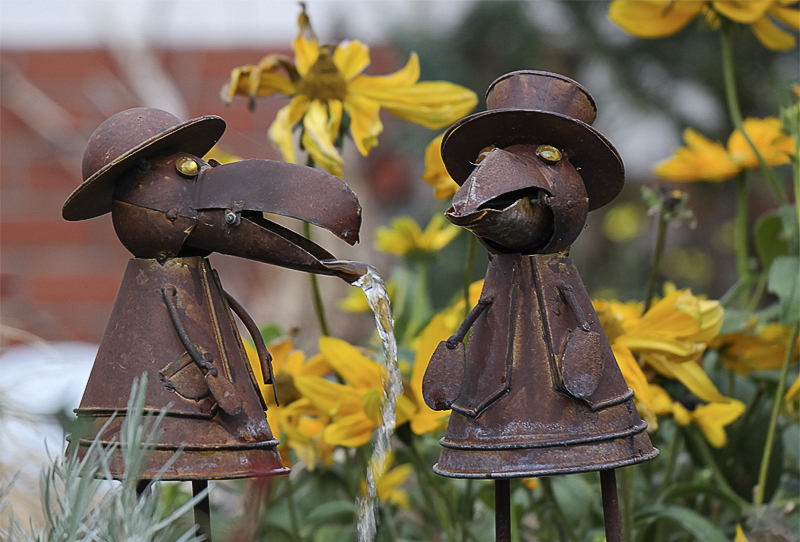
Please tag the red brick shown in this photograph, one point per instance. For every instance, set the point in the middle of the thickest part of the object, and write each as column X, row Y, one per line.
column 38, row 231
column 99, row 287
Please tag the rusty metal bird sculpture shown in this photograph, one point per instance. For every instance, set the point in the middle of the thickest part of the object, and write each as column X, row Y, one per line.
column 536, row 391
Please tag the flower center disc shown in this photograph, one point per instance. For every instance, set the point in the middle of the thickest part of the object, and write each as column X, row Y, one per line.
column 324, row 81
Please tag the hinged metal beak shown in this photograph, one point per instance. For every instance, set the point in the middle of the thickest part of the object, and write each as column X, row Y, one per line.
column 283, row 189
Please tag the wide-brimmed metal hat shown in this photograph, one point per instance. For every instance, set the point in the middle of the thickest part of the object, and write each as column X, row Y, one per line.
column 122, row 141
column 538, row 107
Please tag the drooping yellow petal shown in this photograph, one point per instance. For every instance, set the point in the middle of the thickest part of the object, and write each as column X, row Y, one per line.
column 681, row 414
column 407, row 76
column 654, row 18
column 790, row 16
column 352, row 58
column 633, row 374
column 365, row 122
column 746, row 12
column 352, row 365
column 351, row 431
column 773, row 143
column 326, row 395
column 740, row 537
column 425, row 420
column 389, row 486
column 435, row 173
column 280, row 132
column 433, row 104
column 306, row 52
column 316, row 139
column 701, row 160
column 691, row 375
column 713, row 418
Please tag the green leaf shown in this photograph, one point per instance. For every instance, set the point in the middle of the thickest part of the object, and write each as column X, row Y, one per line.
column 689, row 520
column 770, row 243
column 341, row 512
column 270, row 332
column 784, row 281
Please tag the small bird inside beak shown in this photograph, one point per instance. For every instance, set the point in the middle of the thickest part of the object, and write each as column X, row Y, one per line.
column 505, row 202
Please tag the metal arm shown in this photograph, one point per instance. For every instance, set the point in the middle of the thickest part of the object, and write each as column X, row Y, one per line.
column 264, row 357
column 476, row 311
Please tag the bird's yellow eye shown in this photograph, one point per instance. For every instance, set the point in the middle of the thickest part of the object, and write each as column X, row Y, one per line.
column 187, row 167
column 484, row 153
column 549, row 154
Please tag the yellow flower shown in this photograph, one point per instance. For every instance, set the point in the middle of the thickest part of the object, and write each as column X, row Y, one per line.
column 670, row 338
column 327, row 85
column 769, row 137
column 389, row 482
column 706, row 160
column 661, row 18
column 354, row 407
column 405, row 238
column 701, row 160
column 356, row 300
column 425, row 420
column 711, row 418
column 435, row 173
column 740, row 537
column 296, row 423
column 759, row 349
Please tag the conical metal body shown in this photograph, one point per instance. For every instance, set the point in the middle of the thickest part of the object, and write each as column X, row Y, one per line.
column 172, row 321
column 541, row 392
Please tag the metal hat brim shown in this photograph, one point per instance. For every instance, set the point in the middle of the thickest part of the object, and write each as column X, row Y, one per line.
column 94, row 196
column 593, row 155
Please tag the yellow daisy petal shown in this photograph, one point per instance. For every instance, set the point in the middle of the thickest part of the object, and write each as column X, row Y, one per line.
column 353, row 366
column 435, row 173
column 306, row 52
column 691, row 375
column 316, row 139
column 352, row 58
column 713, row 418
column 365, row 122
column 702, row 159
column 654, row 18
column 742, row 12
column 769, row 137
column 280, row 132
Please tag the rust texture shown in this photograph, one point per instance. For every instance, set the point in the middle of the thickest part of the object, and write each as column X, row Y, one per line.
column 537, row 390
column 172, row 319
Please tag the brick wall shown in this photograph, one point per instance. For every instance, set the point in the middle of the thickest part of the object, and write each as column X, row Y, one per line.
column 59, row 279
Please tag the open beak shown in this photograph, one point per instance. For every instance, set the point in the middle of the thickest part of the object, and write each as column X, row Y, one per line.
column 503, row 203
column 230, row 201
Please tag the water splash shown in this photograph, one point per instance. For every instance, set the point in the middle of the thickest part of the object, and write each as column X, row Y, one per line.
column 367, row 278
column 375, row 290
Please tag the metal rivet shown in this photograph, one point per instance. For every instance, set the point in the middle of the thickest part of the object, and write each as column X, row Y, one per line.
column 187, row 167
column 549, row 154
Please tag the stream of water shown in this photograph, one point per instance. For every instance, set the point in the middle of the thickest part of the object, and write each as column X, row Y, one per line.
column 375, row 290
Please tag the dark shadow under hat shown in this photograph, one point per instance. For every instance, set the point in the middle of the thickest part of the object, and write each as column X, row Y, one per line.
column 124, row 139
column 541, row 108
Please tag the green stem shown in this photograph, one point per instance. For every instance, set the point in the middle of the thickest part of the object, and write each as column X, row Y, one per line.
column 740, row 235
column 626, row 503
column 658, row 251
column 701, row 446
column 758, row 496
column 295, row 525
column 316, row 295
column 563, row 525
column 433, row 505
column 735, row 110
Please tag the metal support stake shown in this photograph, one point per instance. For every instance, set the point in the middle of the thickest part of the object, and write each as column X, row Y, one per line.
column 608, row 488
column 202, row 510
column 502, row 510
